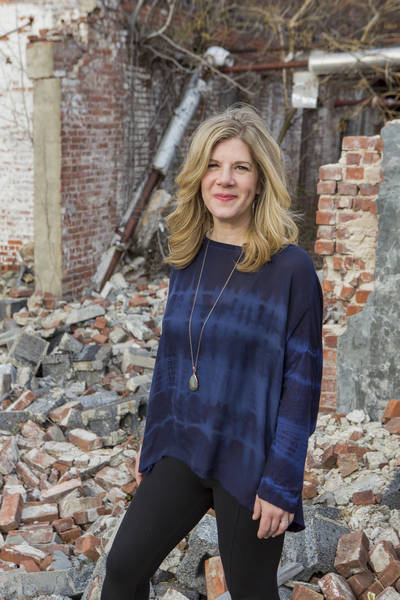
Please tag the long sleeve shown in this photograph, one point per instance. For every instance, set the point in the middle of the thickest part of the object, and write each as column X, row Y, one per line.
column 282, row 480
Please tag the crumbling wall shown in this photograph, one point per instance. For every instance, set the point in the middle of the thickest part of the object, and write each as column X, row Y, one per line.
column 351, row 205
column 368, row 351
column 20, row 20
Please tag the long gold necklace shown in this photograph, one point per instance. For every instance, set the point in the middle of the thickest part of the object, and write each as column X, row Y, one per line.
column 194, row 380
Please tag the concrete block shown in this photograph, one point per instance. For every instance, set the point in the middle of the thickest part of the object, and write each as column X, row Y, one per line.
column 12, row 421
column 314, row 547
column 16, row 585
column 56, row 365
column 40, row 409
column 90, row 363
column 139, row 358
column 7, row 377
column 9, row 306
column 203, row 543
column 85, row 313
column 28, row 351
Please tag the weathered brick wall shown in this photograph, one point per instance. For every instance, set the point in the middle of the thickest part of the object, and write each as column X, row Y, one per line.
column 97, row 145
column 16, row 105
column 346, row 238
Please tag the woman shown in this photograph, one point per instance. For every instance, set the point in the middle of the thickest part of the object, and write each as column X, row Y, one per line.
column 236, row 385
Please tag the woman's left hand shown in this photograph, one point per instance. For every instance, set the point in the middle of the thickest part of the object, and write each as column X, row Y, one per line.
column 273, row 520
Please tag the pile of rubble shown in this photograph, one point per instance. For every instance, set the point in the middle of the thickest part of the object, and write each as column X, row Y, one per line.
column 74, row 383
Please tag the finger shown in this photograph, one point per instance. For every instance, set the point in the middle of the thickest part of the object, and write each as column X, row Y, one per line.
column 257, row 509
column 283, row 525
column 274, row 525
column 263, row 528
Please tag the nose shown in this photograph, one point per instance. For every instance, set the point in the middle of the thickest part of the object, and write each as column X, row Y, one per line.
column 225, row 176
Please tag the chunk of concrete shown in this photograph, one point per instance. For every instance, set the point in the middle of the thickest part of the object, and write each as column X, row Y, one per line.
column 17, row 585
column 9, row 306
column 56, row 365
column 28, row 351
column 314, row 547
column 203, row 543
column 90, row 363
column 85, row 313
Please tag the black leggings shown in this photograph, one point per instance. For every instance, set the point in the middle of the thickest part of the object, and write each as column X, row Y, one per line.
column 168, row 503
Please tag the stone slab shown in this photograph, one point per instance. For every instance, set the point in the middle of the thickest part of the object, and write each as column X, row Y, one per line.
column 16, row 585
column 314, row 547
column 28, row 351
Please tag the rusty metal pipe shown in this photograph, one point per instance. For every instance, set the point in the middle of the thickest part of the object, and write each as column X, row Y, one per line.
column 374, row 101
column 271, row 66
column 120, row 248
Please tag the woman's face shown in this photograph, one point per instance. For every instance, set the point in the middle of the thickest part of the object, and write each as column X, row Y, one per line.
column 230, row 183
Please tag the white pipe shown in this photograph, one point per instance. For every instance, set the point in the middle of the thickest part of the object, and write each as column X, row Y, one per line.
column 321, row 63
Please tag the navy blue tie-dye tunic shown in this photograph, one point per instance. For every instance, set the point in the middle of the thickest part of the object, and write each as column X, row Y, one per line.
column 259, row 371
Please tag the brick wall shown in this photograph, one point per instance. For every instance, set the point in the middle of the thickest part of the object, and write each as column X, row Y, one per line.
column 346, row 238
column 16, row 106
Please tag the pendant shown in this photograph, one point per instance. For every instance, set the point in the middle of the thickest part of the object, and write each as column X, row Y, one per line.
column 193, row 382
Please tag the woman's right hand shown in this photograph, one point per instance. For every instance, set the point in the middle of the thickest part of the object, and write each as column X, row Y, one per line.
column 138, row 475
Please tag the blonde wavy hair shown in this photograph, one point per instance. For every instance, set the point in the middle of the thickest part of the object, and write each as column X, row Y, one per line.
column 272, row 226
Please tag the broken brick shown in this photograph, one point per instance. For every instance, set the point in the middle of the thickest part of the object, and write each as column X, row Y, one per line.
column 89, row 545
column 352, row 553
column 335, row 587
column 10, row 513
column 215, row 578
column 381, row 555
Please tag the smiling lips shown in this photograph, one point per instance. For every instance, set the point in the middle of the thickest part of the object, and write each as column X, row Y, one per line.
column 225, row 197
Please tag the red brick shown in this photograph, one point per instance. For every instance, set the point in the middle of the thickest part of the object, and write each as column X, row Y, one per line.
column 337, row 263
column 100, row 322
column 355, row 173
column 215, row 578
column 335, row 587
column 356, row 435
column 330, row 172
column 325, row 217
column 61, row 525
column 99, row 338
column 326, row 232
column 55, row 492
column 392, row 410
column 347, row 464
column 27, row 476
column 30, row 565
column 353, row 158
column 366, row 277
column 139, row 300
column 347, row 189
column 347, row 292
column 328, row 286
column 70, row 535
column 390, row 574
column 301, row 592
column 363, row 498
column 324, row 247
column 345, row 202
column 358, row 143
column 329, row 457
column 365, row 204
column 349, row 448
column 393, row 425
column 23, row 401
column 326, row 203
column 375, row 588
column 352, row 553
column 344, row 217
column 84, row 439
column 362, row 295
column 352, row 310
column 360, row 582
column 371, row 157
column 326, row 187
column 89, row 545
column 381, row 555
column 10, row 513
column 369, row 189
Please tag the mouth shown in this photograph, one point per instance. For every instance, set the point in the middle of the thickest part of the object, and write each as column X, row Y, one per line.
column 225, row 197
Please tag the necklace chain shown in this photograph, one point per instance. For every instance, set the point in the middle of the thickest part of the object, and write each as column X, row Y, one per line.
column 193, row 383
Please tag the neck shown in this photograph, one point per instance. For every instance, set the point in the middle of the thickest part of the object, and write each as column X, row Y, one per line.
column 227, row 235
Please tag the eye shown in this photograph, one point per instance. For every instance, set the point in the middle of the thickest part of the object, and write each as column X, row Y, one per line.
column 242, row 168
column 212, row 165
